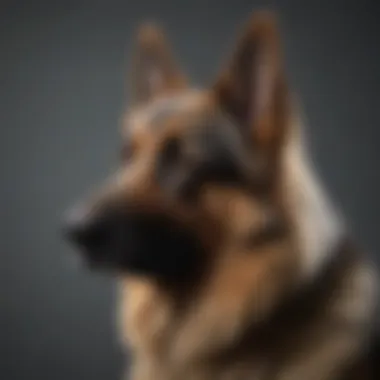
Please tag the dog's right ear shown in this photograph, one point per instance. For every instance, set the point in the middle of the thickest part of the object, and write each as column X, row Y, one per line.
column 252, row 86
column 154, row 70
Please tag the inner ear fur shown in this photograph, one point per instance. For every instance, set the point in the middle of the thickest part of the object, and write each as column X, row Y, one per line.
column 154, row 69
column 252, row 86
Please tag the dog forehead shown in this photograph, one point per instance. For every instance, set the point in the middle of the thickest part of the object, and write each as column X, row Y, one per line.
column 152, row 117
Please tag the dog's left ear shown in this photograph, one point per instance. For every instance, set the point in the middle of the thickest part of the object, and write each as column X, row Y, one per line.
column 252, row 87
column 154, row 70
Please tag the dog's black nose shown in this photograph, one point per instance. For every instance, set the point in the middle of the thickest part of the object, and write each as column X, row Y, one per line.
column 84, row 230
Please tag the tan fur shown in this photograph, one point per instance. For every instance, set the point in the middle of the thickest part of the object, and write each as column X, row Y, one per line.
column 244, row 287
column 299, row 307
column 314, row 349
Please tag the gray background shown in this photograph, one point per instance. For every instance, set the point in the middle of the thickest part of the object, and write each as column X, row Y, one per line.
column 62, row 89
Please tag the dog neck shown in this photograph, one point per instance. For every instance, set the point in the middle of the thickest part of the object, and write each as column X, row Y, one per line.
column 318, row 226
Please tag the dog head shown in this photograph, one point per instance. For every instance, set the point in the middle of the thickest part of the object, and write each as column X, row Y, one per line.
column 200, row 175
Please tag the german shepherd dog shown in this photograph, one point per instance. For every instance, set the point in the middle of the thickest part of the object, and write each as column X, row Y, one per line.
column 233, row 262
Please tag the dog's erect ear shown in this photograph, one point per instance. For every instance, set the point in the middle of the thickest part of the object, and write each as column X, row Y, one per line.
column 252, row 86
column 154, row 70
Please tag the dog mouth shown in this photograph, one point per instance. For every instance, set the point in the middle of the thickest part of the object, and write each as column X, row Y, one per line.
column 136, row 243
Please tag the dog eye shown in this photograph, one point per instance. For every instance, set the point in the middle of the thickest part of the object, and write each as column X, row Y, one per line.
column 270, row 232
column 171, row 152
column 169, row 170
